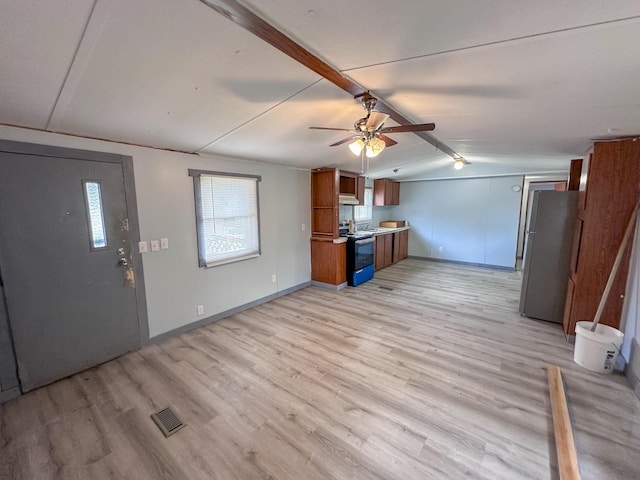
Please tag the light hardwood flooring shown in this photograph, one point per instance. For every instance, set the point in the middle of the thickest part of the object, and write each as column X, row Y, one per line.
column 425, row 372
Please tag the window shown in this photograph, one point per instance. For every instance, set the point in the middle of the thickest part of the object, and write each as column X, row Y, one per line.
column 362, row 213
column 95, row 215
column 226, row 217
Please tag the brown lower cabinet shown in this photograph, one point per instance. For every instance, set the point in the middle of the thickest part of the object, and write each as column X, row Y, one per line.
column 328, row 261
column 391, row 248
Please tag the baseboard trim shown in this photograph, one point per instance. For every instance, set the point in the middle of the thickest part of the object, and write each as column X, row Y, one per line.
column 633, row 376
column 634, row 380
column 328, row 286
column 10, row 394
column 470, row 264
column 219, row 316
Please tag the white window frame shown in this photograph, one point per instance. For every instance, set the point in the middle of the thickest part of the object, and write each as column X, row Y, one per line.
column 364, row 213
column 206, row 257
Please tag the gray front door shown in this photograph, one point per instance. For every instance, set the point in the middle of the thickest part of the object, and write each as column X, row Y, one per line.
column 65, row 261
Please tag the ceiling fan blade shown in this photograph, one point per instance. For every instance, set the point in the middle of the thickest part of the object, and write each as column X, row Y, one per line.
column 389, row 142
column 331, row 128
column 348, row 139
column 375, row 121
column 418, row 127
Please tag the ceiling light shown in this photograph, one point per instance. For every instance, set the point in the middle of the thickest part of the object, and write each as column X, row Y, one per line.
column 357, row 146
column 458, row 163
column 375, row 146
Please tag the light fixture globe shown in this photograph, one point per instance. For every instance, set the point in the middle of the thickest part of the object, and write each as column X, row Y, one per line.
column 458, row 163
column 374, row 147
column 357, row 146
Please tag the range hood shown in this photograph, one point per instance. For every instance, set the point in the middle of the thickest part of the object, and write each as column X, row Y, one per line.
column 348, row 200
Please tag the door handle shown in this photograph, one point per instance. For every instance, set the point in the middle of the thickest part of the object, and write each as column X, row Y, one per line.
column 123, row 262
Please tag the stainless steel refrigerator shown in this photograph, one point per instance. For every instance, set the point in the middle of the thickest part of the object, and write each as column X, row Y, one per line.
column 548, row 254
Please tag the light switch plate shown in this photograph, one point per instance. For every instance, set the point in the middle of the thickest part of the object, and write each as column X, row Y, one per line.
column 143, row 247
column 164, row 243
column 155, row 245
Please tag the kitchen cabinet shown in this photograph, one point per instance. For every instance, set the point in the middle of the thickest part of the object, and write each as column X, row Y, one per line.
column 328, row 251
column 386, row 192
column 326, row 186
column 608, row 191
column 384, row 251
column 325, row 183
column 400, row 245
column 391, row 248
column 328, row 262
column 352, row 184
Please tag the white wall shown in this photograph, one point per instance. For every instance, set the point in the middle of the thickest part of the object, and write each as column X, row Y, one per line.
column 174, row 283
column 468, row 220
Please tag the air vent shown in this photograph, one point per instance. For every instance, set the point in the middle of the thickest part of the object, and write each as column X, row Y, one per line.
column 167, row 421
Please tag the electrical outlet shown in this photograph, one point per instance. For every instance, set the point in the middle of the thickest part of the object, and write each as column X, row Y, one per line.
column 274, row 279
column 440, row 249
column 304, row 227
column 164, row 243
column 155, row 246
column 200, row 309
column 143, row 247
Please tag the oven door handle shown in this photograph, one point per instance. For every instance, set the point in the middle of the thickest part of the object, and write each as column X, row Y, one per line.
column 364, row 241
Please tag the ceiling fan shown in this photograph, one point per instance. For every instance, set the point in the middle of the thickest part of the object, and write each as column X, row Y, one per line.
column 368, row 133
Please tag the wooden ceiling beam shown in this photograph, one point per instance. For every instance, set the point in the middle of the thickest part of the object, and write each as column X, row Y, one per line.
column 245, row 18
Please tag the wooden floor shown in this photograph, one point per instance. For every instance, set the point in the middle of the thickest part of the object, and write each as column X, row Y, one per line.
column 427, row 371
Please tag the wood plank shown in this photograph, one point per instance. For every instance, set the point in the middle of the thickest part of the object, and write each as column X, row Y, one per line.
column 565, row 445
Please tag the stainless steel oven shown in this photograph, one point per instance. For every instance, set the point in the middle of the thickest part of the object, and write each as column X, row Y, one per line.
column 360, row 250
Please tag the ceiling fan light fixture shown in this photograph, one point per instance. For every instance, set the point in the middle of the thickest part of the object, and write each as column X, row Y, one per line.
column 356, row 146
column 458, row 163
column 374, row 147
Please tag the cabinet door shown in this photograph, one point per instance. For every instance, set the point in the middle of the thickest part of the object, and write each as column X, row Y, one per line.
column 379, row 254
column 388, row 249
column 395, row 193
column 396, row 247
column 404, row 244
column 378, row 192
column 360, row 189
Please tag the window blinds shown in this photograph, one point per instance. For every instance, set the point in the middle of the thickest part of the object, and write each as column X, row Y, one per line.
column 227, row 218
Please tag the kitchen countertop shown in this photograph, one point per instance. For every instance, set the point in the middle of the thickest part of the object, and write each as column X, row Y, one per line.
column 373, row 231
column 383, row 230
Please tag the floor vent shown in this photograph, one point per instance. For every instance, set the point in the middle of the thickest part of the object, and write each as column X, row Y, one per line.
column 167, row 421
column 386, row 288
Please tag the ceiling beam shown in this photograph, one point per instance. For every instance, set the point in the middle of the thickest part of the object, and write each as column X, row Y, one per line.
column 245, row 18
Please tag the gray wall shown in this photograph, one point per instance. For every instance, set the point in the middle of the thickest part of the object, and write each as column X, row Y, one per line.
column 174, row 283
column 630, row 324
column 468, row 220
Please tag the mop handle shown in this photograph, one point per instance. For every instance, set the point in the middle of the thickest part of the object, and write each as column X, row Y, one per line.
column 614, row 270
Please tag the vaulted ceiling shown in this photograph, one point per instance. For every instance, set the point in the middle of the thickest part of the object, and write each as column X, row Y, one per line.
column 514, row 86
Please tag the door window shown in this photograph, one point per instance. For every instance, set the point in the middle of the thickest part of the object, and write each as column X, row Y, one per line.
column 95, row 214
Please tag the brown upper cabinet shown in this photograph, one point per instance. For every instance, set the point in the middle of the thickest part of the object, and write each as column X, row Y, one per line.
column 325, row 186
column 386, row 192
column 352, row 184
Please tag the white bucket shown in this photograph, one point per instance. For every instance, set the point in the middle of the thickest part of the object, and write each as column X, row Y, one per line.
column 597, row 350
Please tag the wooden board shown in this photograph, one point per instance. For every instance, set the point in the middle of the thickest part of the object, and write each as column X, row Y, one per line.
column 565, row 445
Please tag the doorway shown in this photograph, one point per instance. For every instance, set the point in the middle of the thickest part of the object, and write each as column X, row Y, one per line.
column 72, row 280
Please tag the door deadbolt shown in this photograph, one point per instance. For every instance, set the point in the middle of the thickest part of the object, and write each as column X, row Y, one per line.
column 120, row 251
